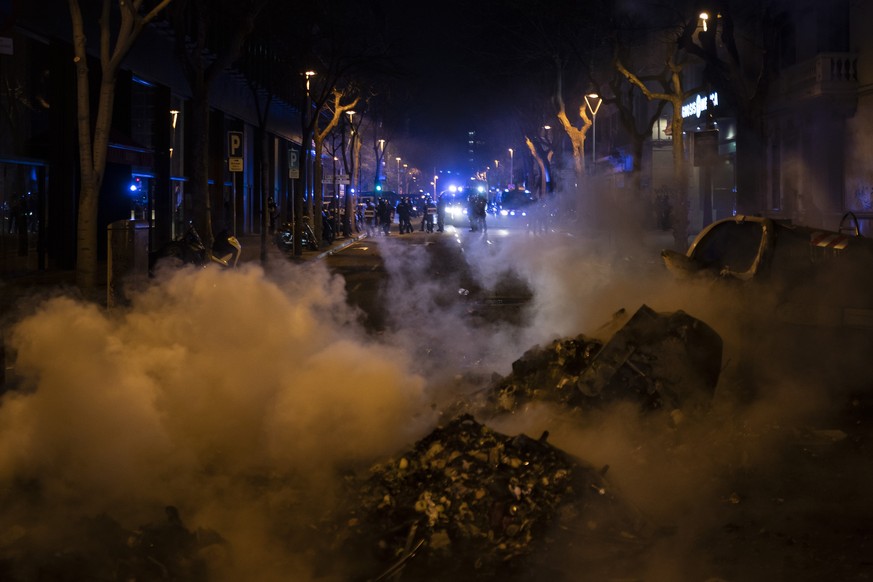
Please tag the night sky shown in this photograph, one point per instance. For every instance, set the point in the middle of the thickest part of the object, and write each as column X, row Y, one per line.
column 443, row 51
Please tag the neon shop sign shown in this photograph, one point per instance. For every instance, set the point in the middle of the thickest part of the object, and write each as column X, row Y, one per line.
column 700, row 103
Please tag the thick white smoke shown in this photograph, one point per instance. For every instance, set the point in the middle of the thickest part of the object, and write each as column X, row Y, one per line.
column 235, row 397
column 241, row 397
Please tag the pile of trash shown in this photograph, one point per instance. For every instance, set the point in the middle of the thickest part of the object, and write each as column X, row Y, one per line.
column 659, row 360
column 474, row 504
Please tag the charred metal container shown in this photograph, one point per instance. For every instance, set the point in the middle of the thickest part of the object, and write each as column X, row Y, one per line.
column 799, row 274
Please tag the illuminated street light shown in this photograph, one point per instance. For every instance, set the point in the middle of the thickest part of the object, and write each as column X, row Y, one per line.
column 511, row 174
column 593, row 101
column 399, row 189
column 308, row 184
column 704, row 19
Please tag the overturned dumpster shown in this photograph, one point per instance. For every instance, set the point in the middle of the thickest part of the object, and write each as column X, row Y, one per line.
column 469, row 503
column 791, row 273
column 659, row 360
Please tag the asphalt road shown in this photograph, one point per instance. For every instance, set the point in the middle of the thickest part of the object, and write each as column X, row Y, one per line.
column 753, row 491
column 434, row 257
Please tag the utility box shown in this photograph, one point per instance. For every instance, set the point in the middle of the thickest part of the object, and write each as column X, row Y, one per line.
column 127, row 261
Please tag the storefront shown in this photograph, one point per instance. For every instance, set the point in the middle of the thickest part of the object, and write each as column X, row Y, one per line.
column 710, row 132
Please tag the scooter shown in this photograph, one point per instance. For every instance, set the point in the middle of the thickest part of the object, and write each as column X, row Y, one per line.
column 189, row 249
column 285, row 236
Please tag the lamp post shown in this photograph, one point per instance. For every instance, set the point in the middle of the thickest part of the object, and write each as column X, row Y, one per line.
column 308, row 191
column 305, row 146
column 399, row 188
column 380, row 153
column 511, row 173
column 353, row 135
column 593, row 101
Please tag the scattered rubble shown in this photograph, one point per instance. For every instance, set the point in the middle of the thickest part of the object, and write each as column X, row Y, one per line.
column 469, row 503
column 660, row 360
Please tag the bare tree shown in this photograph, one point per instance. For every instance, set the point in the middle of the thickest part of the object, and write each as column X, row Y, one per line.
column 335, row 111
column 738, row 55
column 94, row 140
column 203, row 59
column 622, row 97
column 577, row 135
column 675, row 95
column 542, row 156
column 339, row 45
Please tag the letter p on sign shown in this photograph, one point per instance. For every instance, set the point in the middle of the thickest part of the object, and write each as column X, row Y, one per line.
column 235, row 151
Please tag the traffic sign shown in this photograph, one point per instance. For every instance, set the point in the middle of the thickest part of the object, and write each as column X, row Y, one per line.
column 235, row 151
column 293, row 164
column 338, row 179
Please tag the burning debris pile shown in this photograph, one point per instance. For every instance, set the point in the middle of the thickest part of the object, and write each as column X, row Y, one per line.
column 660, row 360
column 474, row 504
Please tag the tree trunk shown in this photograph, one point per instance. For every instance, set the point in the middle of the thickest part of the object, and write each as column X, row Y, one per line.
column 680, row 199
column 317, row 189
column 303, row 192
column 540, row 164
column 93, row 163
column 199, row 156
column 264, row 168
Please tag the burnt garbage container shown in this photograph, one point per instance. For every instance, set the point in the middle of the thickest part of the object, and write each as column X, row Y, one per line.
column 127, row 260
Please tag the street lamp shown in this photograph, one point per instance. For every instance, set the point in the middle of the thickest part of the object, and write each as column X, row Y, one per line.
column 306, row 146
column 399, row 189
column 511, row 174
column 351, row 114
column 593, row 101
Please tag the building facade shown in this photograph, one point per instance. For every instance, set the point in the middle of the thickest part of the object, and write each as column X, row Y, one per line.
column 148, row 163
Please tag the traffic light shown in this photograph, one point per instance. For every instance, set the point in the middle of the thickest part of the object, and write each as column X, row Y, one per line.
column 378, row 185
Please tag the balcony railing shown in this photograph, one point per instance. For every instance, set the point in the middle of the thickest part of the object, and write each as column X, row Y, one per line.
column 826, row 74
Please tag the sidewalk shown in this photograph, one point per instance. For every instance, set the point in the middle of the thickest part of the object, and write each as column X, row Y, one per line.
column 251, row 249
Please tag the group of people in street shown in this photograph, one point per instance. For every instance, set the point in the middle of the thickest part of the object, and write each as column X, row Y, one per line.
column 379, row 216
column 477, row 207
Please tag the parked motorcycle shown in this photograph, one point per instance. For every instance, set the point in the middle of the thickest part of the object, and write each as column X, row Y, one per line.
column 285, row 236
column 189, row 249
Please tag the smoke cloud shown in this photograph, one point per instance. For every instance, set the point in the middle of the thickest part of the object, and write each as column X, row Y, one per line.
column 242, row 397
column 209, row 385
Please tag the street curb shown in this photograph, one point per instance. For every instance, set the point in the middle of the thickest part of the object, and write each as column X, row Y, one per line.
column 346, row 243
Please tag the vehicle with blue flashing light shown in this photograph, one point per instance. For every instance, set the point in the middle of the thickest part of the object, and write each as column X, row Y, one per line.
column 455, row 204
column 515, row 205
